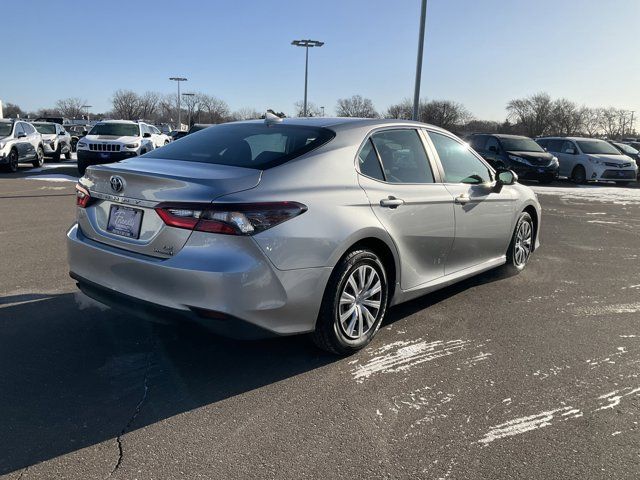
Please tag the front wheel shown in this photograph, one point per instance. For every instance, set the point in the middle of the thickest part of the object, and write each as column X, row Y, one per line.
column 521, row 244
column 353, row 305
column 579, row 175
column 13, row 158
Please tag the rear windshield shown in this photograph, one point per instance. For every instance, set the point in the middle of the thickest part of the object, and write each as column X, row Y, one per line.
column 117, row 129
column 45, row 128
column 597, row 147
column 520, row 145
column 248, row 145
column 5, row 129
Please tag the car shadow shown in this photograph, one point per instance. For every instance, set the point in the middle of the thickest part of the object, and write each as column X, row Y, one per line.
column 74, row 374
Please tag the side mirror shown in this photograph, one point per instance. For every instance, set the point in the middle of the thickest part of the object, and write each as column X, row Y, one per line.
column 22, row 135
column 62, row 133
column 146, row 135
column 493, row 149
column 504, row 177
column 570, row 151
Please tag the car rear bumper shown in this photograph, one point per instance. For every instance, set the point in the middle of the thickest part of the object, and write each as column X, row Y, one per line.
column 227, row 285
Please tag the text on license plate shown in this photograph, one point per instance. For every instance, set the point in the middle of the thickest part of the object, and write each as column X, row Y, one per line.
column 124, row 221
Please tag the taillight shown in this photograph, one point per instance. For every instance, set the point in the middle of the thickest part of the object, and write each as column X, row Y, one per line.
column 82, row 196
column 229, row 219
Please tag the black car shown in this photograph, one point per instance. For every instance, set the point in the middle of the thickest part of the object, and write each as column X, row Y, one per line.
column 628, row 150
column 196, row 127
column 77, row 132
column 517, row 153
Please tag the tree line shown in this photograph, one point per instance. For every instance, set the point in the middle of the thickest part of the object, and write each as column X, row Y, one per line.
column 534, row 115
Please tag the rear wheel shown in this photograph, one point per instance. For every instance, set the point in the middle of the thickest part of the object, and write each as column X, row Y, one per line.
column 39, row 161
column 354, row 304
column 521, row 244
column 579, row 175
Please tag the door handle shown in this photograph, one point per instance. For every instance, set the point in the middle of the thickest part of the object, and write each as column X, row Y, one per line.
column 391, row 202
column 462, row 198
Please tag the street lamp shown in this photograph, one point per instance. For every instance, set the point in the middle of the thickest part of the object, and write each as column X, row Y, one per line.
column 306, row 44
column 189, row 104
column 416, row 92
column 179, row 79
column 87, row 107
column 322, row 108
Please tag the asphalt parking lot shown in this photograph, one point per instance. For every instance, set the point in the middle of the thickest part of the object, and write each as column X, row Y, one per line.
column 533, row 376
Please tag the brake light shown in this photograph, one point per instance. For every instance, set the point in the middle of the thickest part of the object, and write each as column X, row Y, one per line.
column 229, row 219
column 82, row 196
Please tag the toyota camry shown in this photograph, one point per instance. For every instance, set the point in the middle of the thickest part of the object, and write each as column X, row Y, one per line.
column 310, row 225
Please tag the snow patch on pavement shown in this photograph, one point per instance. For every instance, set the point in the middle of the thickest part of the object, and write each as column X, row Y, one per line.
column 54, row 177
column 593, row 193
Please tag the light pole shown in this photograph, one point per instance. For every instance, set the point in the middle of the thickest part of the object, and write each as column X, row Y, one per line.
column 322, row 108
column 87, row 107
column 416, row 92
column 306, row 44
column 179, row 79
column 189, row 105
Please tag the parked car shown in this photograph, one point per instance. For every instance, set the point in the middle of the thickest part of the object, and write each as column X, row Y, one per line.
column 297, row 225
column 590, row 159
column 77, row 132
column 635, row 145
column 56, row 140
column 177, row 134
column 158, row 138
column 627, row 150
column 114, row 140
column 520, row 154
column 19, row 142
column 58, row 120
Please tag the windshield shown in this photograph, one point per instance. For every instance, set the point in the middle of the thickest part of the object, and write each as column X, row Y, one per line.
column 116, row 129
column 5, row 129
column 597, row 147
column 523, row 144
column 249, row 145
column 45, row 128
column 626, row 148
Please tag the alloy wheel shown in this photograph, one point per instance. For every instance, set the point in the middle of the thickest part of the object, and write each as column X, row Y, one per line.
column 360, row 302
column 524, row 241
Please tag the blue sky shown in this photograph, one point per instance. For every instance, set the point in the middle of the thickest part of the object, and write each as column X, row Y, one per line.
column 478, row 52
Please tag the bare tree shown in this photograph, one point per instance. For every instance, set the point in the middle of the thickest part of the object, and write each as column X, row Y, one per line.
column 612, row 121
column 591, row 123
column 402, row 110
column 312, row 109
column 71, row 107
column 11, row 110
column 149, row 105
column 126, row 105
column 566, row 118
column 532, row 114
column 214, row 110
column 246, row 113
column 356, row 106
column 444, row 113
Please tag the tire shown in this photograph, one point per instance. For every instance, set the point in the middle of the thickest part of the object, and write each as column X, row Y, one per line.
column 39, row 161
column 579, row 175
column 358, row 272
column 14, row 159
column 520, row 248
column 57, row 153
column 166, row 142
column 68, row 154
column 74, row 144
column 82, row 166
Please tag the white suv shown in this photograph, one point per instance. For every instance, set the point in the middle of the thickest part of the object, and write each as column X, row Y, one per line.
column 113, row 140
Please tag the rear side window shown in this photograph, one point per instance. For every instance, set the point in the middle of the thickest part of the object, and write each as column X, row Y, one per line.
column 368, row 162
column 403, row 156
column 248, row 145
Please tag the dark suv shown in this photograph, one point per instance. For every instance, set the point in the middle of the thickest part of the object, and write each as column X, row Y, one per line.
column 517, row 153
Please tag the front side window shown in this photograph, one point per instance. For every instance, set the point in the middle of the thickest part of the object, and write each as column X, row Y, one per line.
column 116, row 129
column 28, row 129
column 492, row 142
column 368, row 162
column 403, row 156
column 478, row 142
column 19, row 130
column 248, row 145
column 459, row 164
column 567, row 147
column 555, row 145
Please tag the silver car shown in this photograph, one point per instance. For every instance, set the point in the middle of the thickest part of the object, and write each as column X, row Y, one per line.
column 295, row 226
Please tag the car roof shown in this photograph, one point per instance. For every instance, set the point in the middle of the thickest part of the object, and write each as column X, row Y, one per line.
column 570, row 138
column 340, row 123
column 131, row 122
column 500, row 135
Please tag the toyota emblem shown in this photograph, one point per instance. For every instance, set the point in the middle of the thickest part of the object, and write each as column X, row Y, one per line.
column 117, row 183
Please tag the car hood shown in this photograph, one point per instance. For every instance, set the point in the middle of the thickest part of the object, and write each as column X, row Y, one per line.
column 5, row 139
column 112, row 138
column 619, row 159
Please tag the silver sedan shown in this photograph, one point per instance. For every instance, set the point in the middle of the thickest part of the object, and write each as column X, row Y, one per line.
column 296, row 226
